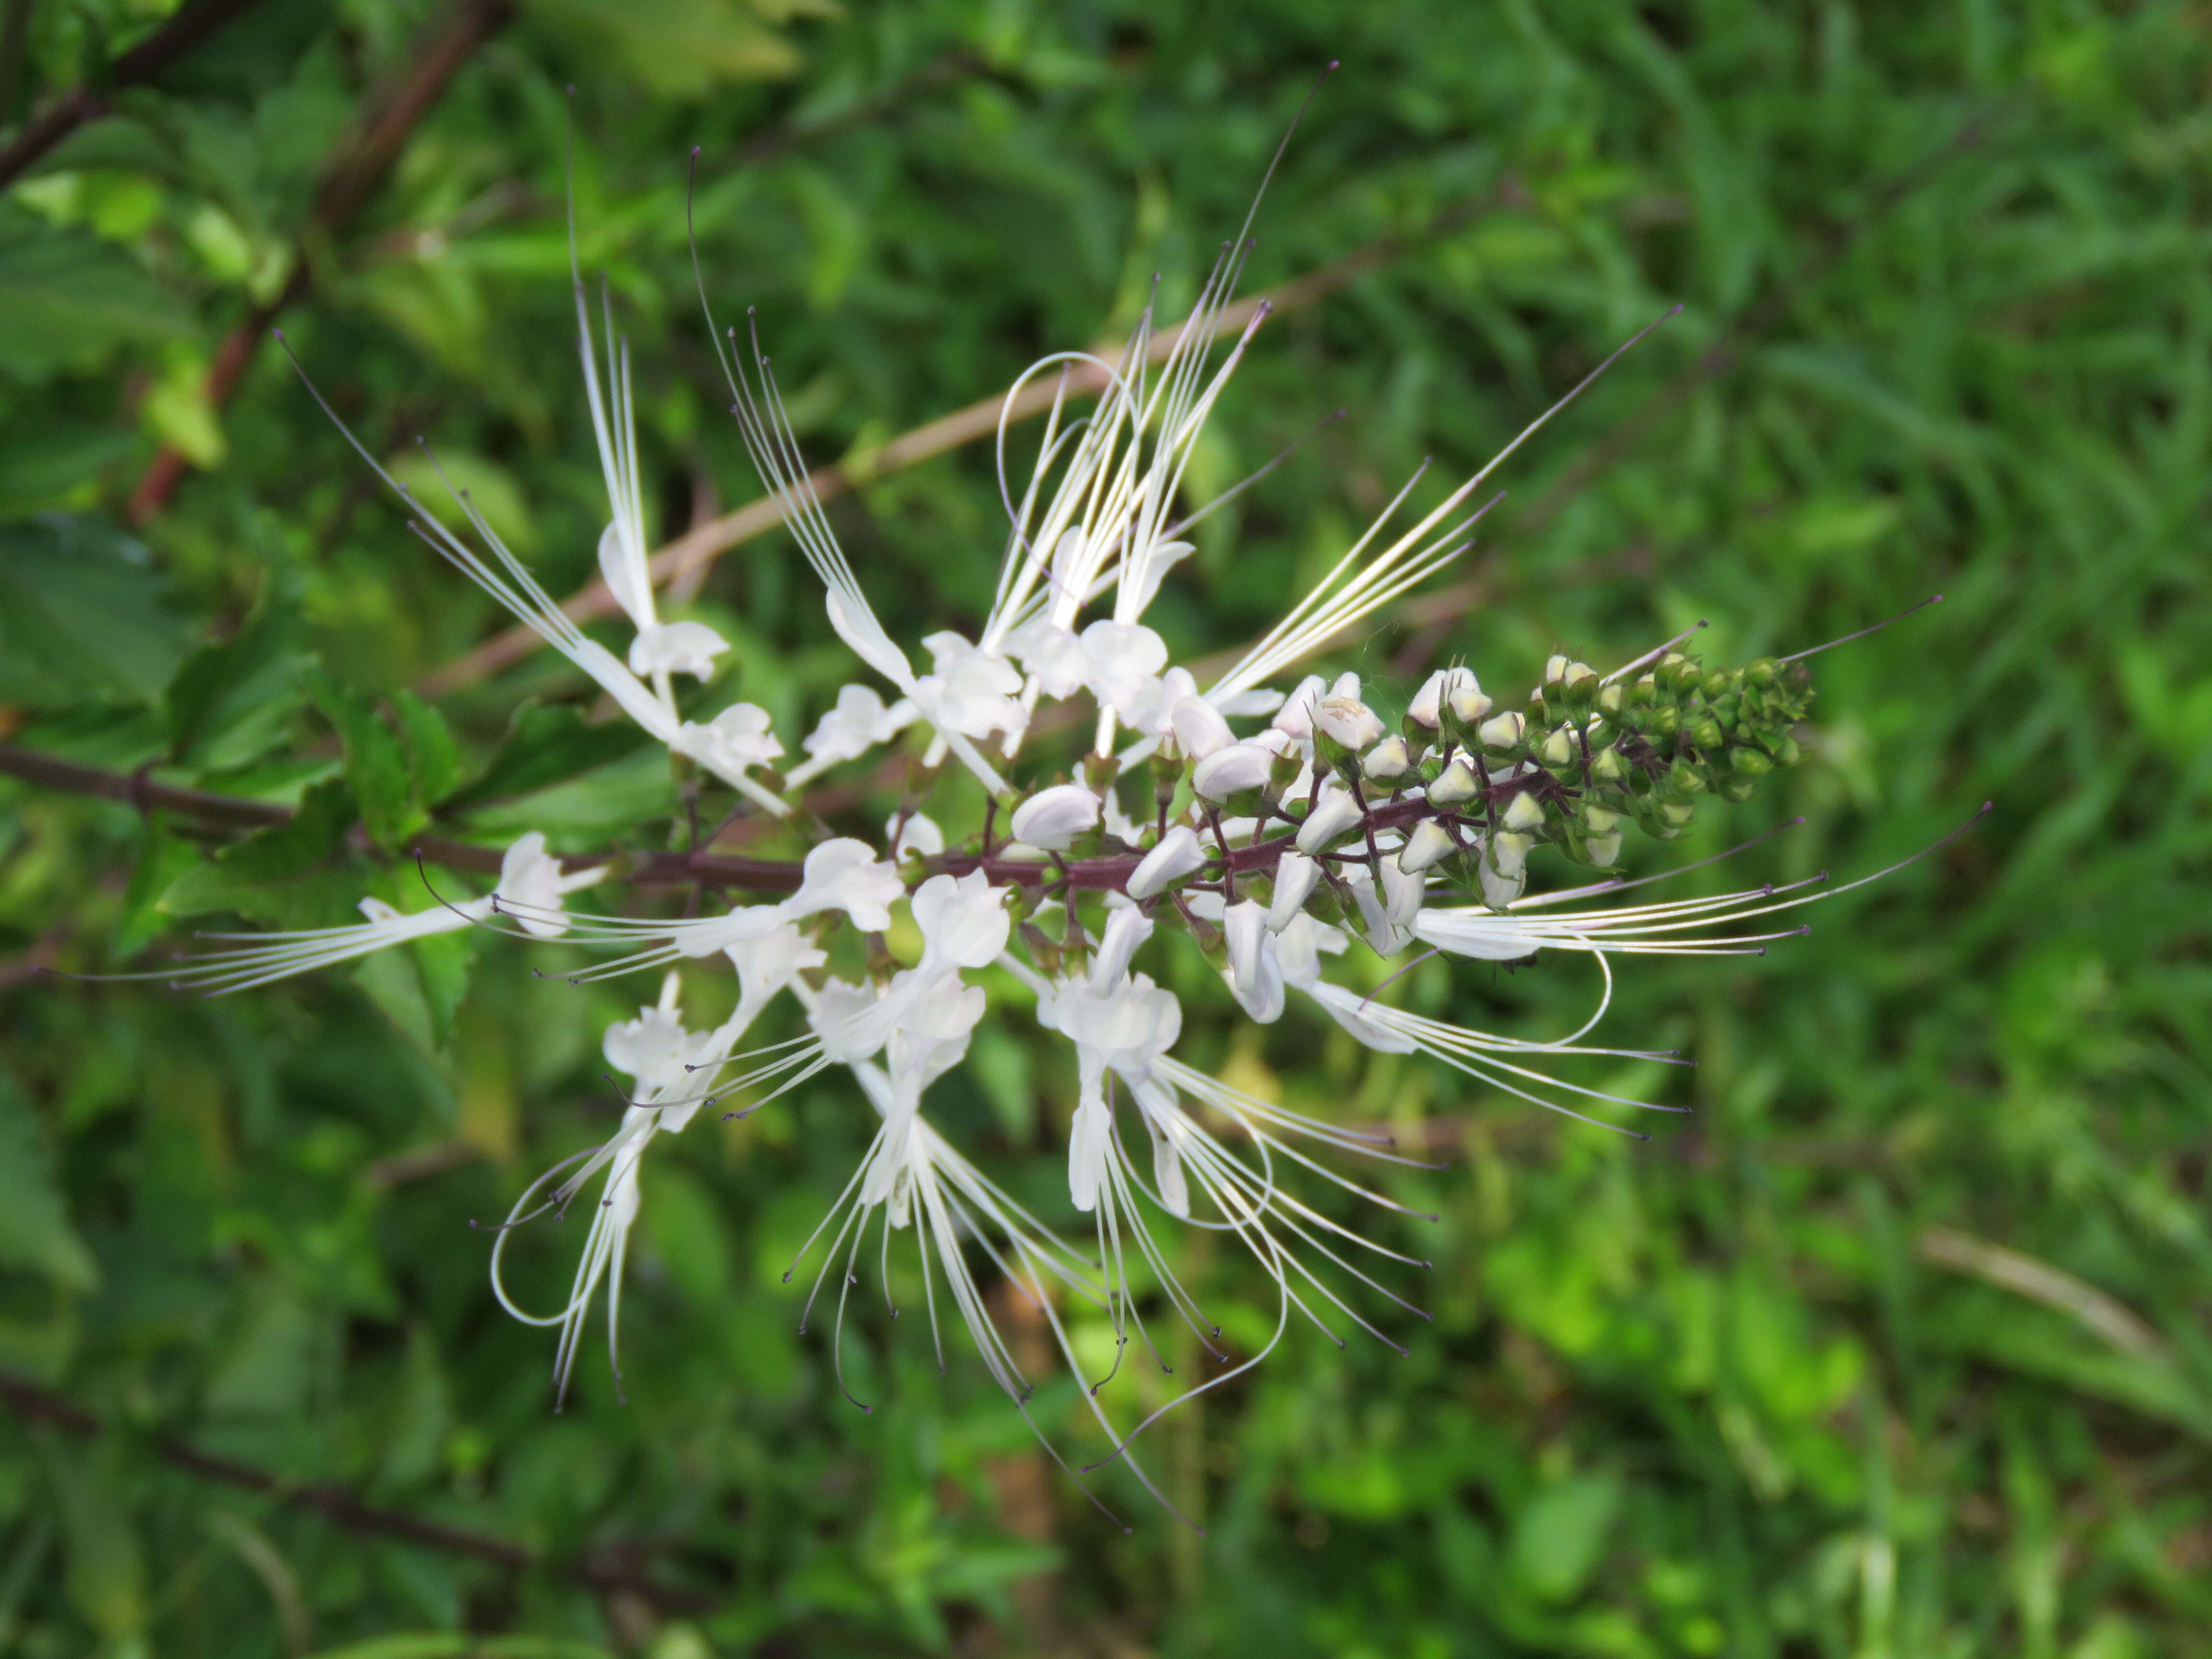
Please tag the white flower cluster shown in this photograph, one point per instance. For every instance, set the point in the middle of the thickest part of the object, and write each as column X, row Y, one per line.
column 1270, row 848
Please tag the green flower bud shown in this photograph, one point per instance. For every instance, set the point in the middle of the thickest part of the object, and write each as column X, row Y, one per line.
column 1456, row 783
column 1608, row 767
column 1558, row 749
column 1603, row 851
column 1750, row 762
column 1523, row 813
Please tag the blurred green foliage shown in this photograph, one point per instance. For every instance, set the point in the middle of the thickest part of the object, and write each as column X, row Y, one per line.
column 1946, row 324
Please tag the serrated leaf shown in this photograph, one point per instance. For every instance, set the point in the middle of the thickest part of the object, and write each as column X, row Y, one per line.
column 430, row 746
column 83, row 613
column 34, row 1225
column 231, row 702
column 546, row 745
column 376, row 765
column 282, row 873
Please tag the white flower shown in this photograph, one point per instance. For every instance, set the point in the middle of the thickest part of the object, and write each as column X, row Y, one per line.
column 971, row 691
column 1200, row 730
column 858, row 722
column 963, row 921
column 846, row 875
column 1403, row 891
column 912, row 832
column 1127, row 928
column 1053, row 656
column 1254, row 977
column 1296, row 717
column 1052, row 818
column 1231, row 771
column 1349, row 721
column 1123, row 1030
column 1295, row 876
column 766, row 963
column 681, row 647
column 1426, row 709
column 1504, row 869
column 738, row 737
column 1178, row 854
column 1125, row 659
column 1335, row 814
column 531, row 885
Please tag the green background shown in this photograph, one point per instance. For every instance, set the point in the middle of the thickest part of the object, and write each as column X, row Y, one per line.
column 1895, row 1345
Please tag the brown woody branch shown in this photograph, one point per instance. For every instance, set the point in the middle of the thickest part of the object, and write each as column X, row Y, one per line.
column 609, row 1569
column 134, row 68
column 348, row 184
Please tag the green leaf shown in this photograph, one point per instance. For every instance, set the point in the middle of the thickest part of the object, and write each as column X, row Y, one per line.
column 70, row 299
column 546, row 745
column 83, row 613
column 442, row 961
column 105, row 1575
column 1558, row 1537
column 162, row 862
column 272, row 874
column 376, row 765
column 232, row 703
column 430, row 746
column 41, row 465
column 462, row 1644
column 34, row 1225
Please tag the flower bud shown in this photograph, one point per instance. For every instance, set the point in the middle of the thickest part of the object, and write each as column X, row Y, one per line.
column 1455, row 784
column 1608, row 767
column 1337, row 814
column 1178, row 854
column 1127, row 928
column 1463, row 698
column 1348, row 722
column 1430, row 844
column 1231, row 771
column 1555, row 669
column 1504, row 870
column 1750, row 762
column 1052, row 818
column 1523, row 813
column 1387, row 760
column 1403, row 892
column 1199, row 727
column 1599, row 820
column 1295, row 876
column 1559, row 750
column 1502, row 733
column 1675, row 813
column 1294, row 718
column 1604, row 850
column 1426, row 709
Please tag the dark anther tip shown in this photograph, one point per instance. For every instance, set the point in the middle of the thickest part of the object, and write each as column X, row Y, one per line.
column 695, row 149
column 472, row 1223
column 278, row 332
column 787, row 1279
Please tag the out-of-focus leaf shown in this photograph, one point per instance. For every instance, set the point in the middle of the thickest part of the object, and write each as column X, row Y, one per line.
column 232, row 703
column 41, row 467
column 83, row 612
column 430, row 747
column 1558, row 1537
column 162, row 863
column 254, row 877
column 546, row 745
column 462, row 1644
column 34, row 1225
column 675, row 48
column 69, row 298
column 376, row 765
column 104, row 1571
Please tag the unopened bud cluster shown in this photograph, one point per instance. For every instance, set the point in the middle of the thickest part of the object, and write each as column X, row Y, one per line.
column 1329, row 811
